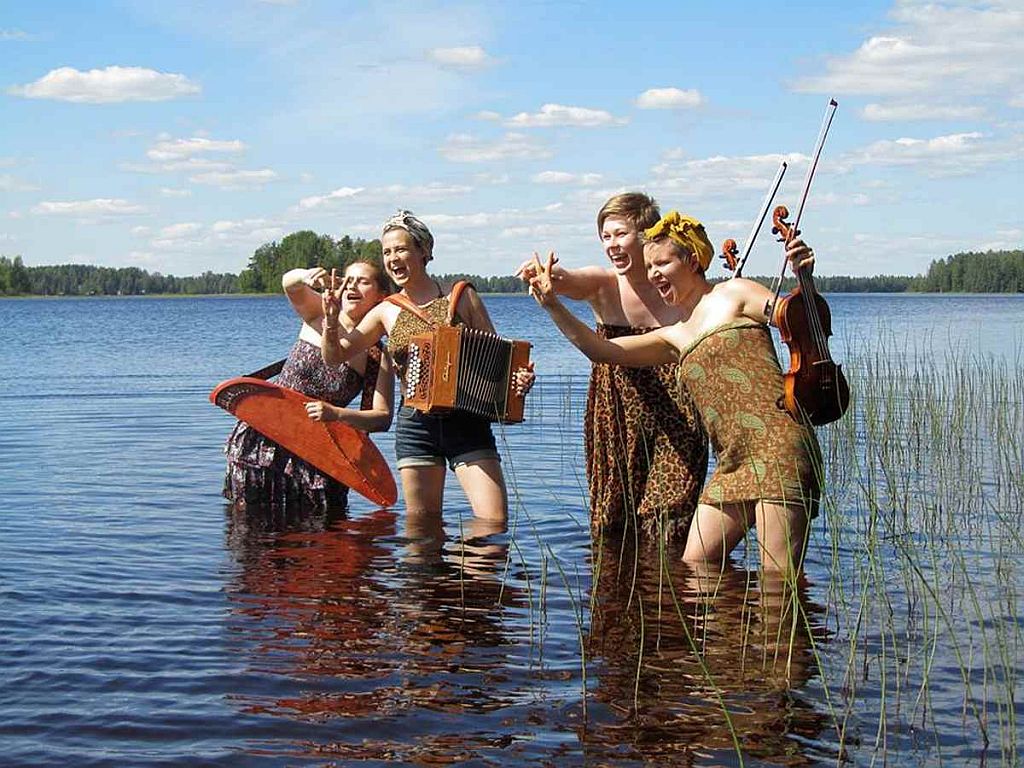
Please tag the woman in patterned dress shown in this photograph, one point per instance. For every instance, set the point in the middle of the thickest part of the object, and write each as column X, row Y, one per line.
column 262, row 473
column 768, row 463
column 425, row 443
column 646, row 451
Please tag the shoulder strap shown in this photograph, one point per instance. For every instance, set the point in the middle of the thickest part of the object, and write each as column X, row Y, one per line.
column 370, row 374
column 403, row 302
column 455, row 295
column 267, row 371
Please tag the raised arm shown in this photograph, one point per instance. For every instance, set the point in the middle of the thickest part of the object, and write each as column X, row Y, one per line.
column 640, row 351
column 582, row 284
column 302, row 287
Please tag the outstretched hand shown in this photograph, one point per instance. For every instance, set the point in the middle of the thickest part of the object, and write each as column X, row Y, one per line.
column 541, row 286
column 528, row 269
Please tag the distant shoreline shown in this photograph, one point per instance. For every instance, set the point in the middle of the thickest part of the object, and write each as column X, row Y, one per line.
column 482, row 293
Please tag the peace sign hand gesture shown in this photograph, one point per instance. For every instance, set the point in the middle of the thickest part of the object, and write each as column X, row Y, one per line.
column 330, row 300
column 541, row 287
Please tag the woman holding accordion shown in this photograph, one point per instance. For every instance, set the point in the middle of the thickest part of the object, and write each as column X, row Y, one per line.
column 425, row 443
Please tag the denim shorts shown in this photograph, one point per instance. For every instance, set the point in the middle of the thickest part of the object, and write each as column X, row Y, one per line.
column 423, row 440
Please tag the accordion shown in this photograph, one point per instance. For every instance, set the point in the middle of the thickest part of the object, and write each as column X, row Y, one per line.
column 464, row 369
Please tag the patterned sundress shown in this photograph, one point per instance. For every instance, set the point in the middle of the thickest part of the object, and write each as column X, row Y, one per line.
column 647, row 453
column 262, row 473
column 761, row 451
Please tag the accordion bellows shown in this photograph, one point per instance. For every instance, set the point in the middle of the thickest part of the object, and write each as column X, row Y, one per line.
column 465, row 369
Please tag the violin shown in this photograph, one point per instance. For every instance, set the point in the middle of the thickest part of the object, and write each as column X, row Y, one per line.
column 815, row 386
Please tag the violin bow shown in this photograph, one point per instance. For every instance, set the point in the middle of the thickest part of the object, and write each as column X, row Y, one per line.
column 749, row 244
column 826, row 123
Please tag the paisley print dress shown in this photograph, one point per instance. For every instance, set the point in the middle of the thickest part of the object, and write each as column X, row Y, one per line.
column 761, row 451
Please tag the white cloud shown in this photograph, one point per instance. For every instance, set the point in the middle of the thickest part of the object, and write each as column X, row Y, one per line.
column 488, row 115
column 423, row 192
column 191, row 236
column 342, row 193
column 722, row 175
column 463, row 57
column 234, row 179
column 669, row 98
column 552, row 115
column 16, row 36
column 953, row 154
column 893, row 112
column 465, row 148
column 180, row 230
column 98, row 207
column 246, row 230
column 562, row 177
column 107, row 86
column 934, row 49
column 188, row 165
column 170, row 192
column 167, row 150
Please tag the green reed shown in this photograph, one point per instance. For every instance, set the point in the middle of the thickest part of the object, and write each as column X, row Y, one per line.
column 924, row 508
column 915, row 559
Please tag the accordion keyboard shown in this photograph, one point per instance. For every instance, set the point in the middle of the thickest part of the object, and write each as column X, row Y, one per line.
column 465, row 369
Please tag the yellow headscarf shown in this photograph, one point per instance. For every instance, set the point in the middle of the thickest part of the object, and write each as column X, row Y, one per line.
column 687, row 232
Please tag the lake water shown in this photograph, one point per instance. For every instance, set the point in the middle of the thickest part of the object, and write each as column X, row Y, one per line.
column 145, row 623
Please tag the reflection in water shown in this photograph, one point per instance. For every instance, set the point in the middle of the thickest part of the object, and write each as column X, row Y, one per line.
column 356, row 622
column 378, row 639
column 674, row 648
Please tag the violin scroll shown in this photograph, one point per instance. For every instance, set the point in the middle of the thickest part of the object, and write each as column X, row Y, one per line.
column 780, row 226
column 729, row 253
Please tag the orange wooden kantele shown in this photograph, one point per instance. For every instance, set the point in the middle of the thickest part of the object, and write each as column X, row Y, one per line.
column 336, row 449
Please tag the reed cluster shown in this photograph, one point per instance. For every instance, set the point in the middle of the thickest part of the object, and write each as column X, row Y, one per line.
column 904, row 642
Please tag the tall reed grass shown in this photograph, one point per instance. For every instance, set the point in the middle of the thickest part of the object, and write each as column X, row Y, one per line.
column 911, row 618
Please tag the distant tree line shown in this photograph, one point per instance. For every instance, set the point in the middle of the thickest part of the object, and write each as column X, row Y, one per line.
column 302, row 249
column 972, row 272
column 88, row 280
column 989, row 272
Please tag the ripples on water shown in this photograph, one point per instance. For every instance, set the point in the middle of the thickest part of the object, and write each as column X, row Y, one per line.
column 147, row 623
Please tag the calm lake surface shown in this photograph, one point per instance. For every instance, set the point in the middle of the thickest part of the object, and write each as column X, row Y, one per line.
column 145, row 623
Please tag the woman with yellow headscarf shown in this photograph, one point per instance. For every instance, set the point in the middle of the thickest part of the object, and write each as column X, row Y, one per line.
column 768, row 465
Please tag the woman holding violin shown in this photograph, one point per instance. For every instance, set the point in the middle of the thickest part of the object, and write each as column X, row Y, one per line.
column 768, row 470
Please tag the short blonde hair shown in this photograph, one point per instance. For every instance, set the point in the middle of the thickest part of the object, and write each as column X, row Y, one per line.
column 635, row 207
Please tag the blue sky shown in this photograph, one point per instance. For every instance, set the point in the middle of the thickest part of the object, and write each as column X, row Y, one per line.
column 179, row 136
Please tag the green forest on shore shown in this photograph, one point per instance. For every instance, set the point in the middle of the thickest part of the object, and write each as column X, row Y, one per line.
column 970, row 272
